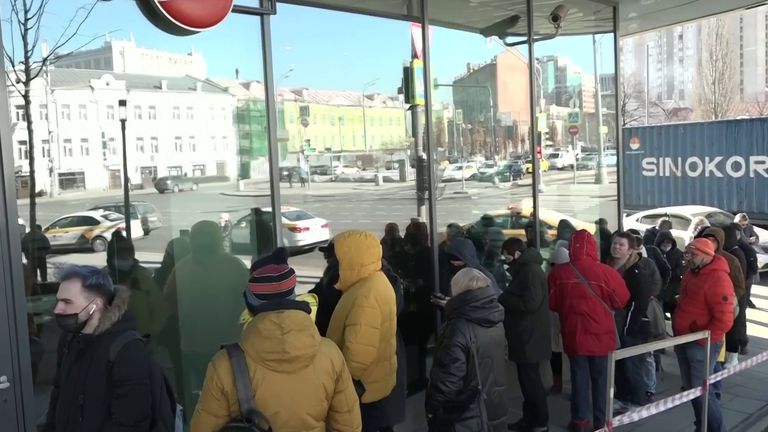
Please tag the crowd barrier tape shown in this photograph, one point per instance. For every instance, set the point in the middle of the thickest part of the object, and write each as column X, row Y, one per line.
column 657, row 407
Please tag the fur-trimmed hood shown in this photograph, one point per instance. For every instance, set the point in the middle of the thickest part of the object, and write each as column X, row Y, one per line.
column 115, row 311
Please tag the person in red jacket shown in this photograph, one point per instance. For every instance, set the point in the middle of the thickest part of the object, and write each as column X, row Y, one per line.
column 585, row 293
column 706, row 303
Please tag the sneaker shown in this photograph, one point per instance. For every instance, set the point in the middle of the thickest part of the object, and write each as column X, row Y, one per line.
column 731, row 360
column 751, row 305
column 620, row 407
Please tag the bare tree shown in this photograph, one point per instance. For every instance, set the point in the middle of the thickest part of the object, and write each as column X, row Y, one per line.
column 716, row 92
column 631, row 100
column 554, row 133
column 759, row 107
column 25, row 22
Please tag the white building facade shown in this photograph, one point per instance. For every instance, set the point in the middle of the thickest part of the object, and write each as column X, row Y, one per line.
column 175, row 126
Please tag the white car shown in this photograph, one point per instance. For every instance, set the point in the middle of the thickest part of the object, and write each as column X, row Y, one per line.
column 301, row 230
column 681, row 217
column 453, row 172
column 561, row 160
column 345, row 169
column 88, row 230
column 488, row 168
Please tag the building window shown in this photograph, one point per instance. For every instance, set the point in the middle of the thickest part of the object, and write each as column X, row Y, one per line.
column 214, row 144
column 212, row 113
column 45, row 149
column 224, row 143
column 152, row 113
column 138, row 113
column 21, row 116
column 198, row 170
column 176, row 113
column 224, row 114
column 192, row 144
column 154, row 145
column 43, row 112
column 110, row 112
column 67, row 148
column 190, row 113
column 82, row 112
column 23, row 151
column 178, row 145
column 112, row 147
column 140, row 145
column 174, row 170
column 84, row 148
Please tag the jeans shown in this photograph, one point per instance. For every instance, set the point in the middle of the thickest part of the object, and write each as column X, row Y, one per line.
column 635, row 376
column 586, row 371
column 691, row 358
column 535, row 410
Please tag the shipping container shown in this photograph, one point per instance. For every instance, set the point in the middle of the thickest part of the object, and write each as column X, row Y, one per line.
column 721, row 164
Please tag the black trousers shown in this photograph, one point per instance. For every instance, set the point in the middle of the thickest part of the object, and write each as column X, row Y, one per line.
column 736, row 338
column 40, row 266
column 535, row 410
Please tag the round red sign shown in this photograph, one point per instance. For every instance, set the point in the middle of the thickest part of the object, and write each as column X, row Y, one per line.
column 185, row 17
column 573, row 130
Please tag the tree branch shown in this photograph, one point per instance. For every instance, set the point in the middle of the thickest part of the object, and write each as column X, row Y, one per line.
column 63, row 39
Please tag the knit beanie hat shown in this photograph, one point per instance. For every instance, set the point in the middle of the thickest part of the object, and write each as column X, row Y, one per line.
column 271, row 279
column 702, row 246
column 560, row 256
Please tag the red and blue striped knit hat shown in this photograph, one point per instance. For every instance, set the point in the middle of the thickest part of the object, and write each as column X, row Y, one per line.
column 272, row 278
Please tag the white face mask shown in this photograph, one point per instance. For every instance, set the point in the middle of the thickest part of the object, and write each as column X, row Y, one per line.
column 666, row 247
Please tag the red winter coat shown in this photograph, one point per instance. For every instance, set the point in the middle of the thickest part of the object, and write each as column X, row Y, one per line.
column 588, row 328
column 706, row 301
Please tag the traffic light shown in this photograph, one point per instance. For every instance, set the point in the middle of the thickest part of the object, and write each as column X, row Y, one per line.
column 422, row 177
column 435, row 84
column 407, row 84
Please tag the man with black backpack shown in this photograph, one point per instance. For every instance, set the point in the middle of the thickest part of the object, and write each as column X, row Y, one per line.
column 104, row 378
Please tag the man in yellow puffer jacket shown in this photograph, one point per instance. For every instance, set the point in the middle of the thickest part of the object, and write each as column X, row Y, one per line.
column 364, row 324
column 299, row 379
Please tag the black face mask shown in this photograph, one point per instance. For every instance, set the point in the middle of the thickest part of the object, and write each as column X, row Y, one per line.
column 69, row 323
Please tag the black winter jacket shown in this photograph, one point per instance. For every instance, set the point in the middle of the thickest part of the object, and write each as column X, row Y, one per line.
column 452, row 399
column 327, row 296
column 526, row 305
column 665, row 272
column 643, row 282
column 674, row 258
column 732, row 247
column 90, row 394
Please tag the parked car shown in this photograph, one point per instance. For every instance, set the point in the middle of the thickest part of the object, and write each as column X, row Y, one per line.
column 586, row 163
column 681, row 217
column 147, row 213
column 88, row 230
column 345, row 169
column 506, row 172
column 529, row 165
column 561, row 160
column 513, row 220
column 488, row 168
column 454, row 172
column 175, row 183
column 391, row 165
column 320, row 170
column 301, row 230
column 610, row 158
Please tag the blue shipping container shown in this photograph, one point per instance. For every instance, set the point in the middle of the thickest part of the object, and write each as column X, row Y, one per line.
column 721, row 164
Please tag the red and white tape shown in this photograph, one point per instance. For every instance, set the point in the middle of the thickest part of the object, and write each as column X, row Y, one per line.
column 680, row 398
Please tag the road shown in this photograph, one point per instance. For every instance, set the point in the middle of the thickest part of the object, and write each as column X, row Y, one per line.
column 345, row 207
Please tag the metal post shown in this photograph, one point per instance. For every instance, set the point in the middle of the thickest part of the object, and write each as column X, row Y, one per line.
column 418, row 142
column 493, row 124
column 609, row 386
column 365, row 125
column 601, row 174
column 126, row 184
column 534, row 120
column 705, row 384
column 573, row 146
column 274, row 147
column 647, row 79
column 619, row 120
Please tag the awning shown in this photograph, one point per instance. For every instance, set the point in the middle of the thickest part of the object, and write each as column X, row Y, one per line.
column 584, row 16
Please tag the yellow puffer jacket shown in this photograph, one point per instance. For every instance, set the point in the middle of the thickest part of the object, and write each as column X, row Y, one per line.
column 364, row 324
column 300, row 380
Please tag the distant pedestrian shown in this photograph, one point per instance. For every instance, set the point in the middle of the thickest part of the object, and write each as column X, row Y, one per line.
column 290, row 178
column 736, row 339
column 697, row 227
column 303, row 176
column 526, row 323
column 666, row 242
column 364, row 324
column 604, row 239
column 467, row 384
column 559, row 257
column 706, row 303
column 649, row 238
column 635, row 376
column 36, row 247
column 749, row 230
column 93, row 389
column 753, row 269
column 585, row 294
column 392, row 242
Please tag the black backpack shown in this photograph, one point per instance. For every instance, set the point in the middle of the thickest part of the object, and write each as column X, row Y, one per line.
column 167, row 415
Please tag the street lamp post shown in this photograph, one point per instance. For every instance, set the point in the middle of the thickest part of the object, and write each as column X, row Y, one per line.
column 123, row 116
column 601, row 174
column 365, row 123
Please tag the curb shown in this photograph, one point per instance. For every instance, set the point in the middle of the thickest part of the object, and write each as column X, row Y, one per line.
column 756, row 422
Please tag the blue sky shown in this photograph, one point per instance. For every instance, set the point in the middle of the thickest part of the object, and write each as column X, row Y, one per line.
column 324, row 49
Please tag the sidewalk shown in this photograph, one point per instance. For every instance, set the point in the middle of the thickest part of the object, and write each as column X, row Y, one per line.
column 744, row 399
column 68, row 196
column 326, row 189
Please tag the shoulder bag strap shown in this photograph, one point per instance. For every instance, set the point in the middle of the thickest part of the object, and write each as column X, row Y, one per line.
column 245, row 397
column 586, row 283
column 483, row 412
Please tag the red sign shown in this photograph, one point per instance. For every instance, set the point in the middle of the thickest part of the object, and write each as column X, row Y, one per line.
column 538, row 152
column 573, row 130
column 185, row 17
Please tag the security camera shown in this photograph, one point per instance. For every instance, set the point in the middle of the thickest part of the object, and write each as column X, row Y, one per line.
column 558, row 14
column 501, row 28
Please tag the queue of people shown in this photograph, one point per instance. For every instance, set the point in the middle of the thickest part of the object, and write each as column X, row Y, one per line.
column 349, row 364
